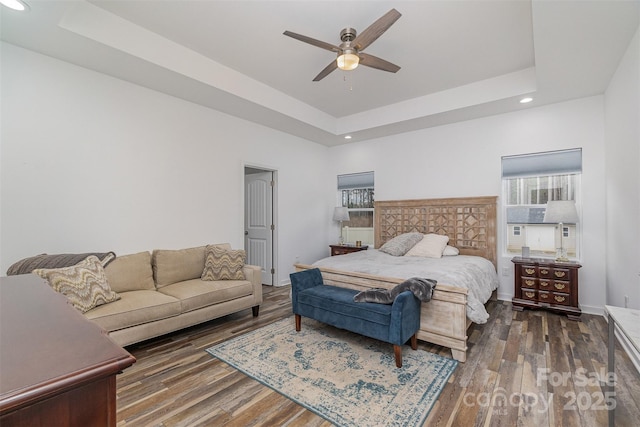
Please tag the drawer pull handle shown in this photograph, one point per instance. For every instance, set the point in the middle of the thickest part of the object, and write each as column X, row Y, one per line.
column 530, row 270
column 543, row 296
column 560, row 286
column 530, row 294
column 544, row 284
column 560, row 273
column 530, row 282
column 545, row 271
column 559, row 298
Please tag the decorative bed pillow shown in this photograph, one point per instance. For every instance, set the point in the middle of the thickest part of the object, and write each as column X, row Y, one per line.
column 450, row 251
column 223, row 264
column 431, row 246
column 401, row 244
column 84, row 284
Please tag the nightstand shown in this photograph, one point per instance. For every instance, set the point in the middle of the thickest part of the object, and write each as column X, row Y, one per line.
column 346, row 249
column 548, row 284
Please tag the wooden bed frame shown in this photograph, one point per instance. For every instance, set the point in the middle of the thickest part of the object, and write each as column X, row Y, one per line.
column 469, row 222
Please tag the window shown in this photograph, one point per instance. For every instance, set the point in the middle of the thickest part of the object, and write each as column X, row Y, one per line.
column 355, row 192
column 529, row 182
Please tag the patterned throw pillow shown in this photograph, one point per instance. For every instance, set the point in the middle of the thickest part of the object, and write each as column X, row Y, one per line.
column 84, row 284
column 400, row 245
column 223, row 264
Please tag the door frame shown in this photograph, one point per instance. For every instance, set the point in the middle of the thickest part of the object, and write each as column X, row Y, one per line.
column 274, row 204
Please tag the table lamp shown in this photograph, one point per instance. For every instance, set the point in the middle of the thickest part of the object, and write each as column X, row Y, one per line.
column 341, row 214
column 561, row 212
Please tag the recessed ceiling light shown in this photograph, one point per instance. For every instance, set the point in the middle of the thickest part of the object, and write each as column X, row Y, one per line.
column 15, row 4
column 525, row 100
column 347, row 137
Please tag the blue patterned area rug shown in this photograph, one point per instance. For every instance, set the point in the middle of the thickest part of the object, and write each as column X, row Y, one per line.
column 348, row 379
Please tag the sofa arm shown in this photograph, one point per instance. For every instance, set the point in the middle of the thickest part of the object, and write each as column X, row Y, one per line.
column 302, row 280
column 253, row 274
column 405, row 318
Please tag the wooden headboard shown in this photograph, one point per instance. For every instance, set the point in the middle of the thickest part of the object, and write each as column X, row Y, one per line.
column 470, row 222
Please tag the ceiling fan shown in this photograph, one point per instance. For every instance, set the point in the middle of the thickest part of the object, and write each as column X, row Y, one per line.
column 350, row 50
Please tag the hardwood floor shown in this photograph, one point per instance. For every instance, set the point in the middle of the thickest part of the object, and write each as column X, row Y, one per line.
column 530, row 368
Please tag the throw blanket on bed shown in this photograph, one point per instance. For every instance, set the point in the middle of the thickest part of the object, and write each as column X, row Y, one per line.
column 27, row 265
column 422, row 288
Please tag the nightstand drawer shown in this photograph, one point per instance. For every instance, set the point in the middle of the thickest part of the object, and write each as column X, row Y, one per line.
column 529, row 294
column 529, row 282
column 545, row 284
column 530, row 271
column 545, row 272
column 544, row 297
column 561, row 274
column 560, row 299
column 559, row 286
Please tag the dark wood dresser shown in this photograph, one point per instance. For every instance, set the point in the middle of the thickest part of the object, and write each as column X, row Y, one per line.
column 56, row 367
column 545, row 283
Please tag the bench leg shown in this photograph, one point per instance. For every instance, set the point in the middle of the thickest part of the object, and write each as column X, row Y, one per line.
column 397, row 351
column 255, row 310
column 414, row 342
column 298, row 322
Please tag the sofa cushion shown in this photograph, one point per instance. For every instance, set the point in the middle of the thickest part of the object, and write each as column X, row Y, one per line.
column 130, row 273
column 333, row 299
column 223, row 264
column 173, row 266
column 134, row 308
column 196, row 293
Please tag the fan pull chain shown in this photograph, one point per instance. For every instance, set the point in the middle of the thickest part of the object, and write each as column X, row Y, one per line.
column 347, row 77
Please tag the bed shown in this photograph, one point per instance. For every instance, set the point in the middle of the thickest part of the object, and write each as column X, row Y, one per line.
column 465, row 282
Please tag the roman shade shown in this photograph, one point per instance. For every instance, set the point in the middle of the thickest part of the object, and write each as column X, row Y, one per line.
column 355, row 180
column 561, row 162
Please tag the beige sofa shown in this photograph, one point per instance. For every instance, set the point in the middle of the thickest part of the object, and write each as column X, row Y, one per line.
column 162, row 292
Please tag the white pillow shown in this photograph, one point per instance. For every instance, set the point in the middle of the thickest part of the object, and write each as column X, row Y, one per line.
column 431, row 246
column 450, row 251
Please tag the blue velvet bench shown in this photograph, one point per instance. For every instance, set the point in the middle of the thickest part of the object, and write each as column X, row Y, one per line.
column 396, row 323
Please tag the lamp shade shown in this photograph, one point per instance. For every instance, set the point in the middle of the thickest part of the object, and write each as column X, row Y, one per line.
column 561, row 211
column 340, row 214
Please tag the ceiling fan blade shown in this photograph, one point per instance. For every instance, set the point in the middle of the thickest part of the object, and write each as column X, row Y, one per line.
column 327, row 70
column 312, row 41
column 377, row 63
column 376, row 29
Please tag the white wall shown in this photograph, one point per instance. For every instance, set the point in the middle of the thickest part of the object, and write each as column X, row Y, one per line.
column 93, row 163
column 463, row 159
column 622, row 136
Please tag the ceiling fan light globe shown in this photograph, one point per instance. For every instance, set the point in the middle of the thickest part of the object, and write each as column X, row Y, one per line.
column 348, row 61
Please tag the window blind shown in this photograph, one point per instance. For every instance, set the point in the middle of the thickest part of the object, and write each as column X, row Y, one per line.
column 547, row 163
column 355, row 180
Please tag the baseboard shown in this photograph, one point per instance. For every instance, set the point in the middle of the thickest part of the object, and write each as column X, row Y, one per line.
column 590, row 309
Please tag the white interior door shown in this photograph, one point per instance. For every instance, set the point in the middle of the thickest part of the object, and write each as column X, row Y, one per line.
column 258, row 219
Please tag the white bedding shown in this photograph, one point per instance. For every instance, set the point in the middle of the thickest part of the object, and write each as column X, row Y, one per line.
column 476, row 274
